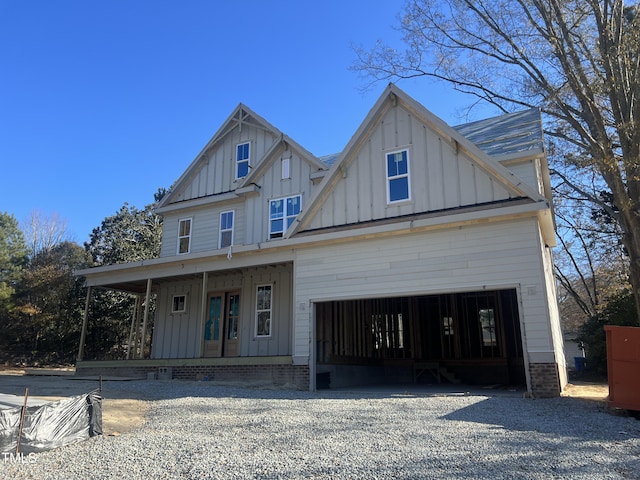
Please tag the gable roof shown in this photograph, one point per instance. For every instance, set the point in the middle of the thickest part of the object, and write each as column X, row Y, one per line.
column 241, row 115
column 389, row 98
column 284, row 143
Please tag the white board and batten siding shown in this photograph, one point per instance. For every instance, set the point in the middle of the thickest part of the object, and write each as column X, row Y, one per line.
column 530, row 172
column 273, row 186
column 216, row 169
column 251, row 220
column 179, row 335
column 440, row 177
column 279, row 342
column 205, row 228
column 490, row 256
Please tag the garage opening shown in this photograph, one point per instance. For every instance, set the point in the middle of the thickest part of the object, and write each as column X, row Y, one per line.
column 471, row 337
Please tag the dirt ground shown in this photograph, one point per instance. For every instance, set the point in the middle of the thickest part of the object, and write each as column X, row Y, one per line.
column 587, row 390
column 121, row 415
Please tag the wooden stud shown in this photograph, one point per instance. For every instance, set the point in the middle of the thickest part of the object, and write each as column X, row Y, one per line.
column 85, row 318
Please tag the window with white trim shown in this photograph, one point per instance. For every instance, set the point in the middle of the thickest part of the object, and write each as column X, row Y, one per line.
column 226, row 229
column 243, row 151
column 398, row 176
column 282, row 213
column 263, row 310
column 184, row 235
column 179, row 304
column 286, row 168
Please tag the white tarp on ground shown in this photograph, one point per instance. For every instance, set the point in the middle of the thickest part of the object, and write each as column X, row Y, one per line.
column 51, row 425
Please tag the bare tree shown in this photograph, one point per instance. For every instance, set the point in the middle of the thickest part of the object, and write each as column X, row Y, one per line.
column 43, row 233
column 591, row 267
column 577, row 60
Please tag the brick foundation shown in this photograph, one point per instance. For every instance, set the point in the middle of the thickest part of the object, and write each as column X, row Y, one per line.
column 295, row 376
column 545, row 382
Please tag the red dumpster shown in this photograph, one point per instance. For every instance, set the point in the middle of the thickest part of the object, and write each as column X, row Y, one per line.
column 623, row 366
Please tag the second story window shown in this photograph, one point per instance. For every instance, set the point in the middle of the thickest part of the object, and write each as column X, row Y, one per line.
column 282, row 213
column 184, row 235
column 243, row 151
column 398, row 176
column 226, row 229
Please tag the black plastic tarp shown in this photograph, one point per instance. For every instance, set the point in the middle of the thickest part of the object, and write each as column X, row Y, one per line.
column 51, row 425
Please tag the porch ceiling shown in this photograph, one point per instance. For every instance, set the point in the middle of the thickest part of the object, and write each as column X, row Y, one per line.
column 140, row 285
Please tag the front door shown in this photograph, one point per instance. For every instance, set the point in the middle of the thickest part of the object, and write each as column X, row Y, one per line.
column 221, row 328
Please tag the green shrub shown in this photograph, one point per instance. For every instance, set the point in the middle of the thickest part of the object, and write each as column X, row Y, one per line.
column 620, row 310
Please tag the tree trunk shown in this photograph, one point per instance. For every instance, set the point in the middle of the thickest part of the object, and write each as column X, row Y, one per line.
column 630, row 222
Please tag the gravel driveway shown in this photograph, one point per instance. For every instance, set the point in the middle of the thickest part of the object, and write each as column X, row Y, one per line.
column 198, row 430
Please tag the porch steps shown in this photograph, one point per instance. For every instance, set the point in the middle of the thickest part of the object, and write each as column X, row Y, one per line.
column 435, row 369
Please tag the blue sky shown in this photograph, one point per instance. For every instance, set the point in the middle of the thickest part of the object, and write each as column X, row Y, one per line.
column 103, row 102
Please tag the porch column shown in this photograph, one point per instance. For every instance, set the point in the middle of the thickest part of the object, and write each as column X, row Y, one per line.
column 146, row 315
column 83, row 333
column 135, row 326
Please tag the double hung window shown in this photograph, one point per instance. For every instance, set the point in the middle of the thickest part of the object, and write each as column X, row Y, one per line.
column 282, row 213
column 263, row 311
column 398, row 176
column 243, row 152
column 184, row 235
column 226, row 229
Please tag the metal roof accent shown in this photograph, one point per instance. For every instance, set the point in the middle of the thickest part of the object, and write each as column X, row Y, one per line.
column 329, row 160
column 506, row 134
column 496, row 136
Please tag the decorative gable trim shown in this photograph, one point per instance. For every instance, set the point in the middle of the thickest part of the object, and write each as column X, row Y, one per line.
column 241, row 115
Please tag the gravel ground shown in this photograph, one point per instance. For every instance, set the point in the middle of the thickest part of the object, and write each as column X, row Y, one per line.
column 199, row 430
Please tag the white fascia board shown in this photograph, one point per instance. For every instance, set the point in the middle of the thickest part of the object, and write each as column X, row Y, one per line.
column 201, row 201
column 519, row 157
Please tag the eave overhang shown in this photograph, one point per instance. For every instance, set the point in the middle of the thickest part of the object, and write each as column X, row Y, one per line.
column 132, row 277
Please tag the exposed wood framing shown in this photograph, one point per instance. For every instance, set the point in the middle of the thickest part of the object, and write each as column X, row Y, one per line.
column 475, row 329
column 143, row 336
column 85, row 319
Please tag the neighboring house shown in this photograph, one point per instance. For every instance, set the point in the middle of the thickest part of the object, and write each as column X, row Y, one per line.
column 420, row 253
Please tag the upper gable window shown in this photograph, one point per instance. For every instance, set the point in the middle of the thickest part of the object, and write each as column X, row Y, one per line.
column 282, row 213
column 243, row 151
column 184, row 235
column 226, row 229
column 398, row 176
